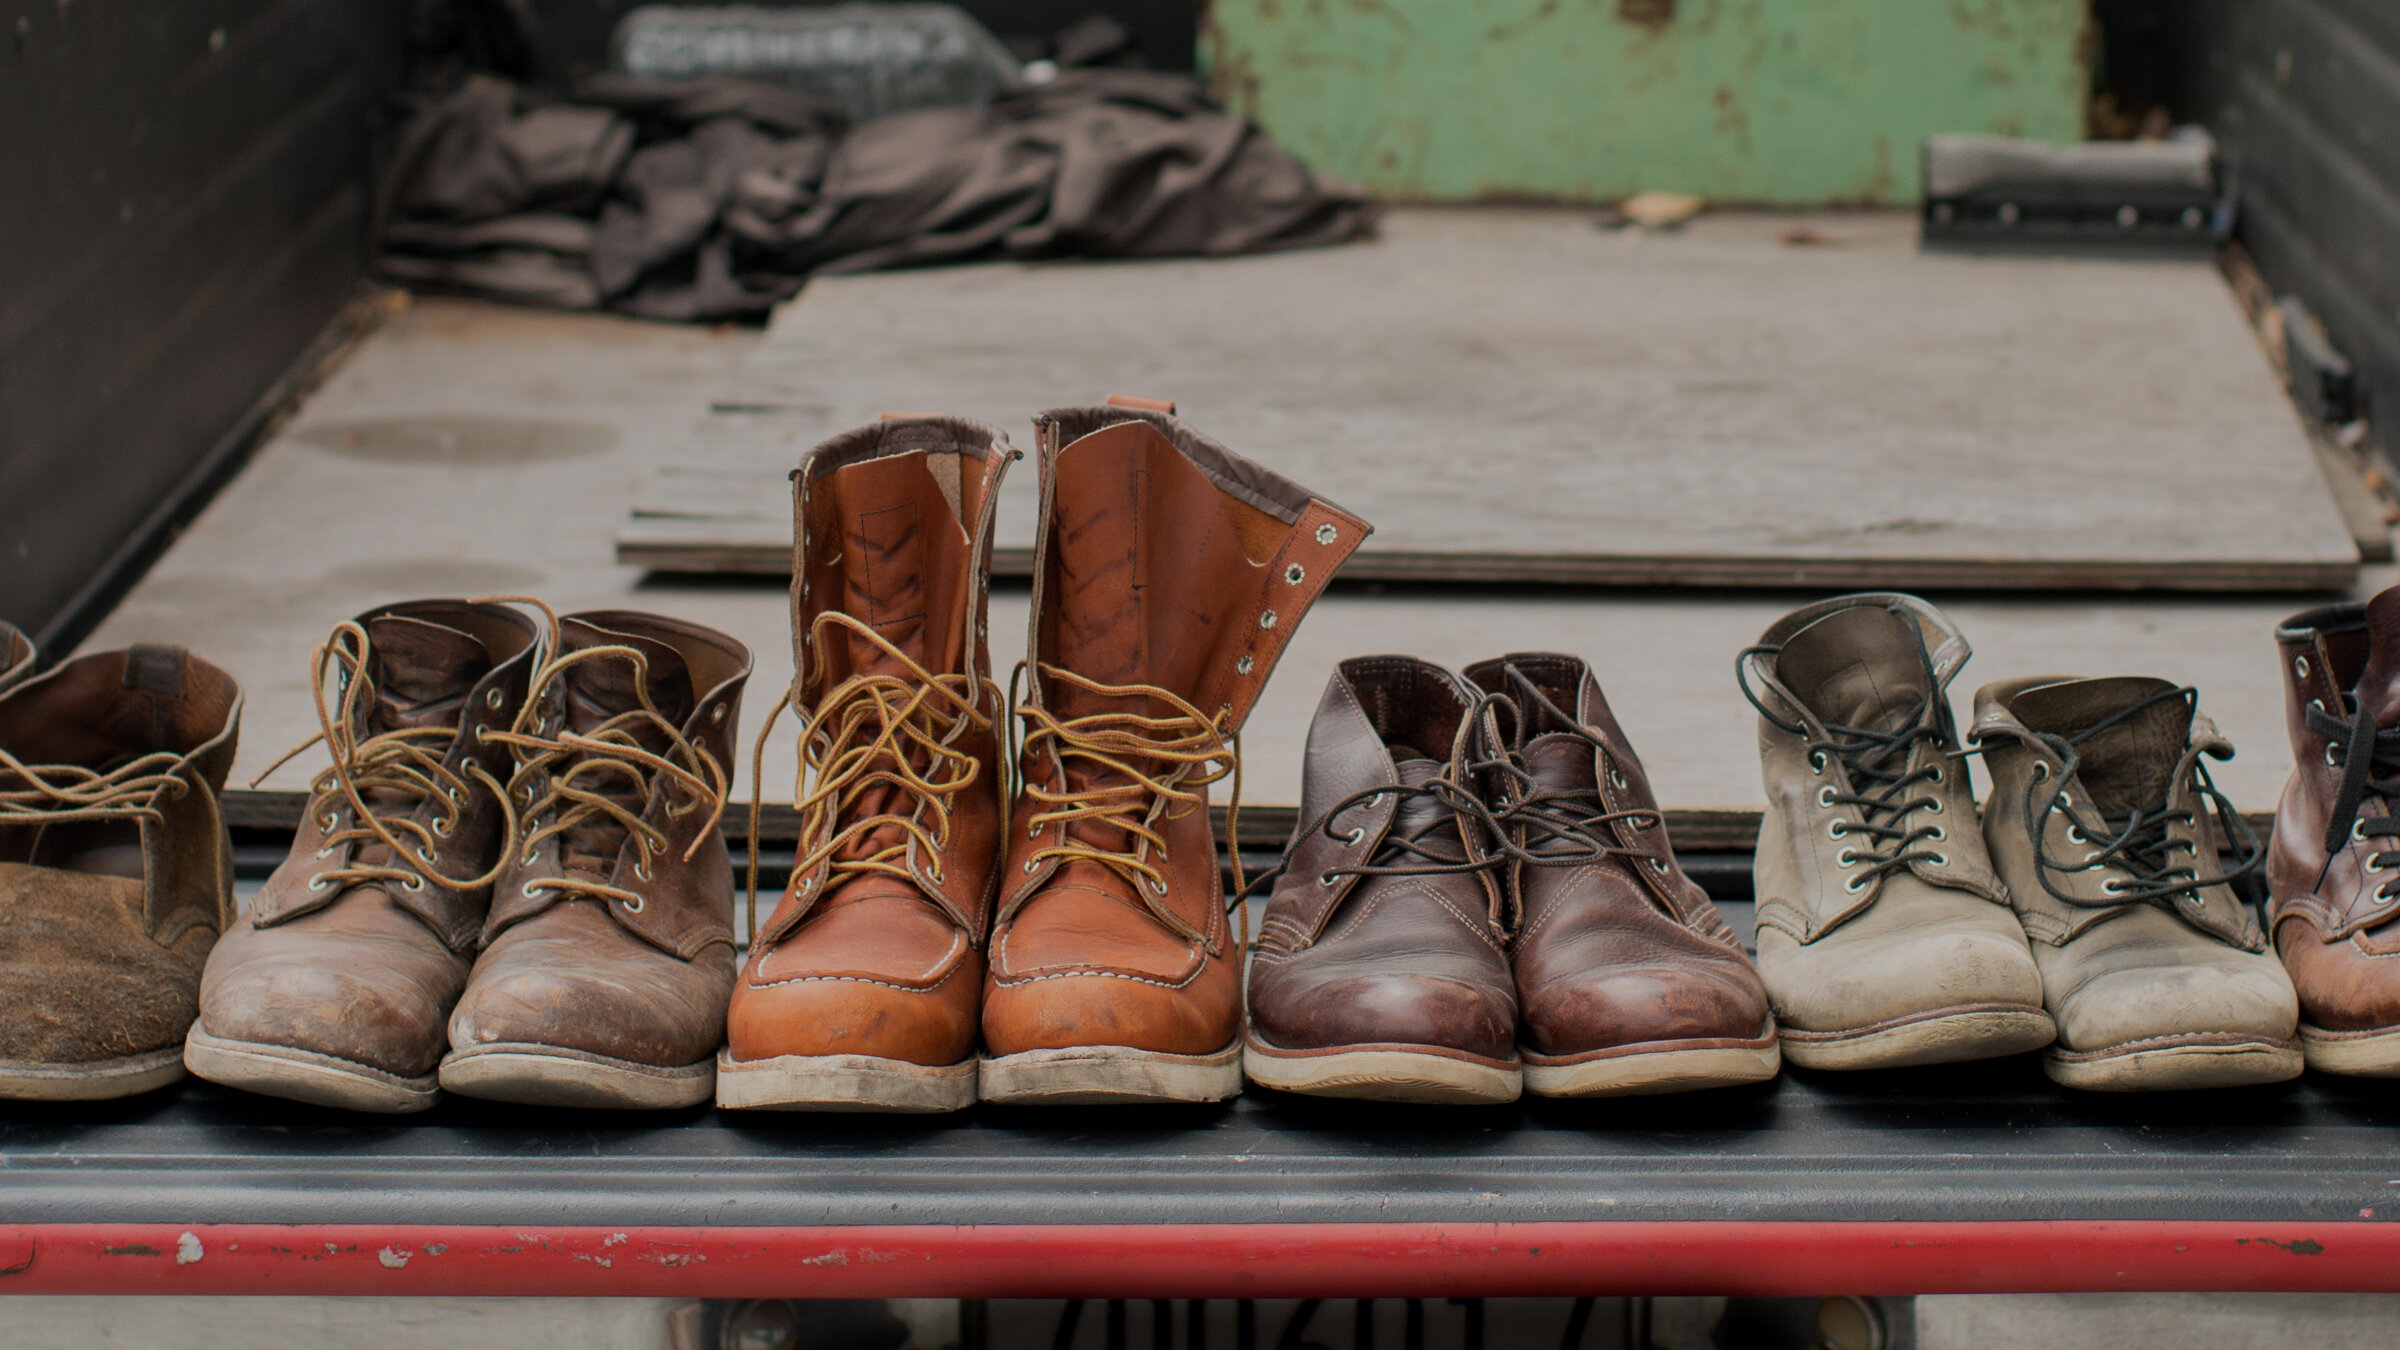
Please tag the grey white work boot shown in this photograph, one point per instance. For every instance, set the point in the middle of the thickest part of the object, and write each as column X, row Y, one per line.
column 2105, row 826
column 1883, row 933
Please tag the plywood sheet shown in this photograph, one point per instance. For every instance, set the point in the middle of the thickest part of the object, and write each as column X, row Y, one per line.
column 1517, row 395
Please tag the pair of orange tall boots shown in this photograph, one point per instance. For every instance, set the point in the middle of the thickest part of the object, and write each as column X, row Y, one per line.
column 945, row 937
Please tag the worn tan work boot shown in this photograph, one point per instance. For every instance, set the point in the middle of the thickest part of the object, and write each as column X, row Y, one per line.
column 608, row 957
column 864, row 989
column 2333, row 865
column 16, row 656
column 336, row 980
column 1170, row 574
column 116, row 875
column 1884, row 936
column 2108, row 832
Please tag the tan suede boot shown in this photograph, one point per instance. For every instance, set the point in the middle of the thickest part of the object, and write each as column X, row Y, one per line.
column 2106, row 828
column 116, row 874
column 1884, row 936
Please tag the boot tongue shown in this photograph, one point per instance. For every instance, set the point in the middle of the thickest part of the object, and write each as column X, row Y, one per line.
column 2379, row 683
column 1862, row 667
column 2129, row 766
column 902, row 568
column 1421, row 817
column 422, row 672
column 1561, row 763
column 603, row 687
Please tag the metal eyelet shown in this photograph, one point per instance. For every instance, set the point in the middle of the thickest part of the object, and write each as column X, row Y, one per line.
column 527, row 858
column 1854, row 885
column 1357, row 832
column 1836, row 829
column 320, row 881
column 2330, row 761
column 1615, row 779
column 2300, row 666
column 1937, row 775
column 1243, row 665
column 2358, row 831
column 1938, row 859
column 2112, row 886
column 1934, row 807
column 634, row 904
column 1825, row 795
column 641, row 871
column 412, row 884
column 2041, row 772
column 325, row 852
column 1816, row 761
column 2066, row 798
column 2075, row 835
column 1295, row 574
column 1158, row 887
column 1034, row 831
column 443, row 827
column 491, row 697
column 423, row 855
column 526, row 890
column 1325, row 878
column 328, row 823
column 1846, row 858
column 1266, row 619
column 2381, row 898
column 2317, row 703
column 1659, row 865
column 1326, row 534
column 717, row 713
column 1939, row 836
column 1030, row 865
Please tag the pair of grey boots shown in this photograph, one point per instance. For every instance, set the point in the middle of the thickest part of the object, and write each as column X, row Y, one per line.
column 2089, row 910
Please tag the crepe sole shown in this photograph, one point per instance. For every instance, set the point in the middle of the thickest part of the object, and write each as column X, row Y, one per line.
column 1385, row 1073
column 1940, row 1036
column 2374, row 1053
column 1100, row 1075
column 96, row 1081
column 2171, row 1063
column 549, row 1075
column 306, row 1076
column 1664, row 1066
column 842, row 1083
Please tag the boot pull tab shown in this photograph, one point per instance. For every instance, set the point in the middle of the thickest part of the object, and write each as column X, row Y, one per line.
column 1156, row 405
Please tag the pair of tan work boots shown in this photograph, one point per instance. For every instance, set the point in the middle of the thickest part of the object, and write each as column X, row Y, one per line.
column 1480, row 899
column 2088, row 912
column 511, row 882
column 947, row 936
column 116, row 871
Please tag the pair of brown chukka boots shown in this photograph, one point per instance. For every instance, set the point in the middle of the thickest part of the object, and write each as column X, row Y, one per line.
column 1481, row 899
column 116, row 873
column 511, row 882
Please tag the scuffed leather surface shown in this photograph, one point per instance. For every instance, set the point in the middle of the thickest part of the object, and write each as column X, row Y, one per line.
column 573, row 979
column 81, row 978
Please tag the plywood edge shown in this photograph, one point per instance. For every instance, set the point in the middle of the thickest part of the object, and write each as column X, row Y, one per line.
column 761, row 546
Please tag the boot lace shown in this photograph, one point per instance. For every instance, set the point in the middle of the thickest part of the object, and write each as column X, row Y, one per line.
column 402, row 768
column 2141, row 843
column 1159, row 765
column 2369, row 759
column 1886, row 791
column 1564, row 827
column 886, row 742
column 607, row 755
column 45, row 794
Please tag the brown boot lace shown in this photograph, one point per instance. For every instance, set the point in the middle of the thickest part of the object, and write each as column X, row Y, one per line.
column 1189, row 751
column 862, row 745
column 404, row 766
column 605, row 753
column 51, row 794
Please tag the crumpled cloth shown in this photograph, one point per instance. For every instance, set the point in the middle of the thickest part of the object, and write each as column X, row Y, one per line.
column 716, row 199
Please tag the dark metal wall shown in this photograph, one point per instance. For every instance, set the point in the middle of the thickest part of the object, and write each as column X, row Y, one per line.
column 184, row 190
column 2305, row 94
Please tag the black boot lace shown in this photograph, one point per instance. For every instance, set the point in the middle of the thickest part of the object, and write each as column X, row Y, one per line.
column 1563, row 826
column 2369, row 758
column 2137, row 842
column 1886, row 791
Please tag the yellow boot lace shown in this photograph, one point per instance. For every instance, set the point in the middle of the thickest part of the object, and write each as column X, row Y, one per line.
column 869, row 733
column 1163, row 762
column 406, row 762
column 607, row 752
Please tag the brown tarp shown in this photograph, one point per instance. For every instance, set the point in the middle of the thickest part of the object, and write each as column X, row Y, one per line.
column 715, row 199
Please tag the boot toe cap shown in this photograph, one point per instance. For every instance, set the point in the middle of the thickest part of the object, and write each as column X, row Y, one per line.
column 2251, row 999
column 1638, row 1005
column 1390, row 1008
column 1835, row 984
column 930, row 1022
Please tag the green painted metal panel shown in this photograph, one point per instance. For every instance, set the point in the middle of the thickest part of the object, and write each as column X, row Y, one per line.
column 1767, row 101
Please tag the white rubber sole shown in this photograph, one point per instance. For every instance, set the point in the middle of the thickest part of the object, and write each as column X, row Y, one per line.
column 1940, row 1036
column 306, row 1076
column 2175, row 1063
column 2362, row 1054
column 549, row 1075
column 1384, row 1073
column 99, row 1081
column 1109, row 1075
column 1672, row 1066
column 842, row 1083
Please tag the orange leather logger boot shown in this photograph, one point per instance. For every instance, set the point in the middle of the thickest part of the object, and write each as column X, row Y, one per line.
column 864, row 988
column 1169, row 575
